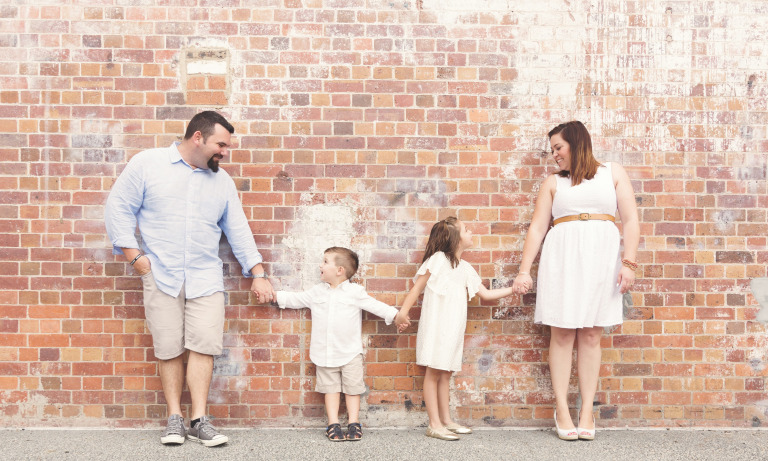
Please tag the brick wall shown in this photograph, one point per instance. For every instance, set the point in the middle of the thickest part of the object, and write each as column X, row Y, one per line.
column 361, row 123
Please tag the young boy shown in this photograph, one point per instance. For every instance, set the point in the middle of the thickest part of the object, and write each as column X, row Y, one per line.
column 336, row 346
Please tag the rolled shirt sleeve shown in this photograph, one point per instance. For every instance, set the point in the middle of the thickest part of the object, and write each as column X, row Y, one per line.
column 123, row 204
column 235, row 226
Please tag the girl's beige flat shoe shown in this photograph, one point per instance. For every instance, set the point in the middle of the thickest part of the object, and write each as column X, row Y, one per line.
column 458, row 428
column 442, row 434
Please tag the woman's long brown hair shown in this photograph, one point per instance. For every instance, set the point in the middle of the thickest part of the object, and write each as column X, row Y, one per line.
column 583, row 162
column 444, row 236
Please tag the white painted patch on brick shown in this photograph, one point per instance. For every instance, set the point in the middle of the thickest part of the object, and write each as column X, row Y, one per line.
column 465, row 6
column 316, row 228
column 207, row 67
column 450, row 12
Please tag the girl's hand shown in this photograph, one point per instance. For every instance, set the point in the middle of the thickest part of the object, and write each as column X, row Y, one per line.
column 402, row 321
column 522, row 284
column 626, row 279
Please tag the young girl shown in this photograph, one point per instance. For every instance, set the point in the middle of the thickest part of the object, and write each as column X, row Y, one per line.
column 440, row 339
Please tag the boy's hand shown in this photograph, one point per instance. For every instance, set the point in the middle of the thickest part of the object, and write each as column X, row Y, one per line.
column 402, row 321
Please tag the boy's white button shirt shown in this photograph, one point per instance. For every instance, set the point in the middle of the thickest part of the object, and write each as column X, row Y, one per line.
column 337, row 317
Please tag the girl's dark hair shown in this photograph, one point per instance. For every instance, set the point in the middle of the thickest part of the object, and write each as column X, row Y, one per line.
column 444, row 236
column 583, row 162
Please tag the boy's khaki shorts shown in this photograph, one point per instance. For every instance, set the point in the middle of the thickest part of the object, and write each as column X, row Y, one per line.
column 346, row 378
column 178, row 323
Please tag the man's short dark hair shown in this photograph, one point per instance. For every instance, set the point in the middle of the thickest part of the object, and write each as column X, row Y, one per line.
column 205, row 122
column 346, row 258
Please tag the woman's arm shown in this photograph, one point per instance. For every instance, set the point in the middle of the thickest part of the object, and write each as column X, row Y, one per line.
column 625, row 201
column 542, row 214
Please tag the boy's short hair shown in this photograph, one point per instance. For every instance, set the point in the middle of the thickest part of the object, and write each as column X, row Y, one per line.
column 346, row 258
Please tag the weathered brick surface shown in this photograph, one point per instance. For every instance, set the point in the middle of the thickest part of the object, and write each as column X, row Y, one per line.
column 360, row 124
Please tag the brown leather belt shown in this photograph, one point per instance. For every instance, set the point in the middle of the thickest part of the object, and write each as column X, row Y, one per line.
column 585, row 217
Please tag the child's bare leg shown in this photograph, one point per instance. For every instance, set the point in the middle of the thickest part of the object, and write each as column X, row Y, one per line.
column 332, row 402
column 443, row 390
column 431, row 398
column 353, row 407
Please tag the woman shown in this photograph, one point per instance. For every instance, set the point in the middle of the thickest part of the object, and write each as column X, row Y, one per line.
column 581, row 275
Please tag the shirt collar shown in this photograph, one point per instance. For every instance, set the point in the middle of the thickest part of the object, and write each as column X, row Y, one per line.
column 173, row 153
column 174, row 156
column 343, row 286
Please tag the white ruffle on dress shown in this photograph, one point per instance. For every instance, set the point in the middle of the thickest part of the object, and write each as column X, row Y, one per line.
column 580, row 260
column 440, row 339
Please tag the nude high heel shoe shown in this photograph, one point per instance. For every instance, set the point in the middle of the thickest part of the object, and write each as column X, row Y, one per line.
column 587, row 434
column 566, row 434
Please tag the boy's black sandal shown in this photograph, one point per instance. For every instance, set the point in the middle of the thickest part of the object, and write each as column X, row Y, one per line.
column 354, row 431
column 334, row 433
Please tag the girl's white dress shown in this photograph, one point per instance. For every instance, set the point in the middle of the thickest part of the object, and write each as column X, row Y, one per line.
column 580, row 260
column 440, row 339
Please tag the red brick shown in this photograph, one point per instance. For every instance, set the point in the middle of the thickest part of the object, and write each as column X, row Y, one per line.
column 331, row 106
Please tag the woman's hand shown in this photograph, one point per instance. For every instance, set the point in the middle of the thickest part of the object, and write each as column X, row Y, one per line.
column 522, row 284
column 626, row 279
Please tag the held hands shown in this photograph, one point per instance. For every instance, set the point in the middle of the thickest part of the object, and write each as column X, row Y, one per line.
column 402, row 321
column 263, row 290
column 626, row 279
column 522, row 284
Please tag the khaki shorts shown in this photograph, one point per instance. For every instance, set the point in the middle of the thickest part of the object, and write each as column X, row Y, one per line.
column 346, row 378
column 178, row 323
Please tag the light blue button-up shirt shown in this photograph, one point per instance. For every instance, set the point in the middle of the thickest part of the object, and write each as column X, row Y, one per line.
column 180, row 212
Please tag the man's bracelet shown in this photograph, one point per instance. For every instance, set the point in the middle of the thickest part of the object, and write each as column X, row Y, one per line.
column 263, row 275
column 136, row 258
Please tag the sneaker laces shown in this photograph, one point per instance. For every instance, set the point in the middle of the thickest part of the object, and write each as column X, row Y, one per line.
column 175, row 426
column 205, row 427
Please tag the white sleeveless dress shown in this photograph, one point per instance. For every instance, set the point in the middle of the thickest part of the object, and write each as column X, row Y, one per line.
column 443, row 320
column 580, row 260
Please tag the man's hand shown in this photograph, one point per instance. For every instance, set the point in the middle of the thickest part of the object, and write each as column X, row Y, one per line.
column 142, row 266
column 263, row 290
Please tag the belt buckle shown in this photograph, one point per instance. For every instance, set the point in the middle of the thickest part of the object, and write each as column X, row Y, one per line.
column 583, row 216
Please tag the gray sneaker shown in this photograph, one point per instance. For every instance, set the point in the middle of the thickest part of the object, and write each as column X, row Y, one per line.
column 205, row 433
column 174, row 431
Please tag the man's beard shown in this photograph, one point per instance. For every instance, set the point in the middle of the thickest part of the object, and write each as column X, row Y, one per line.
column 213, row 164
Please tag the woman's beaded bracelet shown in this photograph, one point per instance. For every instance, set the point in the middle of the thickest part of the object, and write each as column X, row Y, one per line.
column 630, row 264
